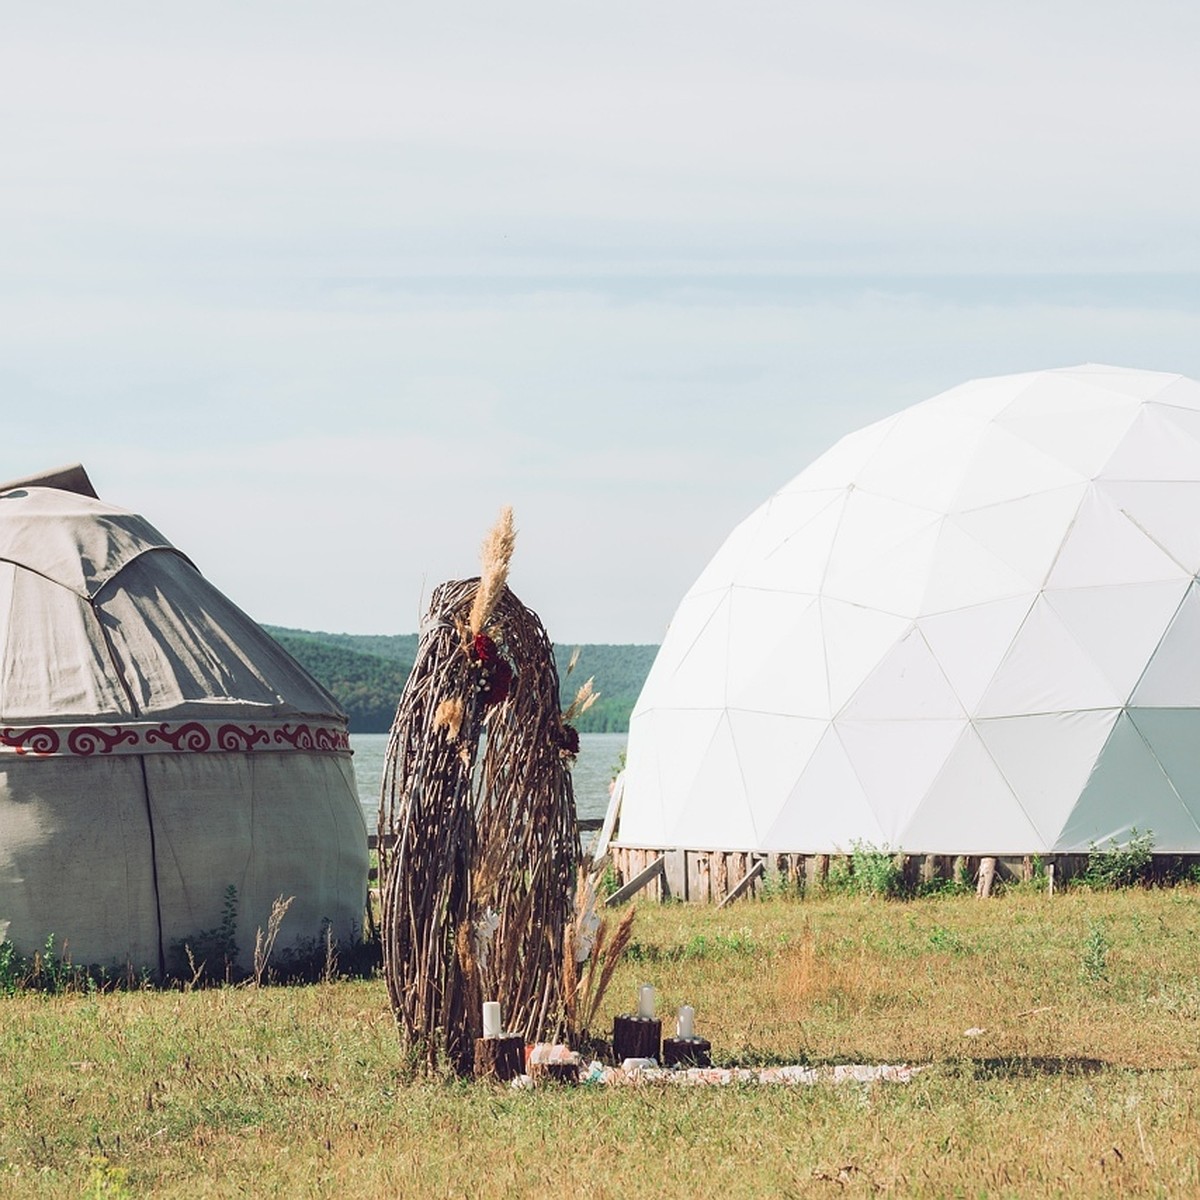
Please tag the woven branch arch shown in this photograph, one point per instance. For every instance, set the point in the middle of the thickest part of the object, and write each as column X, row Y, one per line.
column 478, row 884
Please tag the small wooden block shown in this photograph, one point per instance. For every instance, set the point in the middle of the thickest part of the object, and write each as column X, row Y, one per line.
column 500, row 1058
column 637, row 1037
column 556, row 1072
column 686, row 1052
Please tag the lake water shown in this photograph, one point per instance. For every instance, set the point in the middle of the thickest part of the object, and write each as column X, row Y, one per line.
column 595, row 766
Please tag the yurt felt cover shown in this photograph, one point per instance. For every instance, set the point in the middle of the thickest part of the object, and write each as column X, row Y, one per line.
column 970, row 628
column 156, row 749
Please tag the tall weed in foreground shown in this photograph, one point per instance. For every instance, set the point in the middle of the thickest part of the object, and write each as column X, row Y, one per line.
column 1095, row 953
column 264, row 943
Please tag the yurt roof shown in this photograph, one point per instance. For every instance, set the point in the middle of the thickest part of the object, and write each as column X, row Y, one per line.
column 79, row 543
column 103, row 619
column 972, row 627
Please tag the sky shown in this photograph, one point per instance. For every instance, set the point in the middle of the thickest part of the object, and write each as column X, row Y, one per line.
column 318, row 288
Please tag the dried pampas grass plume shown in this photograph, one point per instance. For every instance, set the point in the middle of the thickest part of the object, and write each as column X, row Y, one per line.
column 584, row 699
column 495, row 557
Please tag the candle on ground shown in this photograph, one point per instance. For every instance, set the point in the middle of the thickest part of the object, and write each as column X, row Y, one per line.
column 646, row 1001
column 686, row 1026
column 491, row 1019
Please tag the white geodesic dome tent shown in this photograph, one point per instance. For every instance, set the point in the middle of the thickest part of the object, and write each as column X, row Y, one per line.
column 157, row 749
column 970, row 628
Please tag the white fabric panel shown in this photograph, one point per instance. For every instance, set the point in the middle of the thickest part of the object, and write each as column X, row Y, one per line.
column 1171, row 679
column 1025, row 534
column 1164, row 512
column 642, row 822
column 1046, row 670
column 839, row 464
column 1128, row 789
column 870, row 527
column 1119, row 627
column 682, row 738
column 797, row 563
column 984, row 399
column 75, row 541
column 741, row 544
column 1071, row 420
column 896, row 762
column 773, row 752
column 766, row 530
column 1105, row 547
column 827, row 811
column 1006, row 467
column 895, row 579
column 908, row 683
column 1154, row 448
column 1187, row 424
column 963, row 572
column 1173, row 735
column 1046, row 760
column 75, row 860
column 788, row 513
column 717, row 811
column 776, row 655
column 697, row 679
column 855, row 640
column 922, row 460
column 54, row 664
column 968, row 807
column 688, row 623
column 1126, row 381
column 970, row 643
column 234, row 819
column 1181, row 392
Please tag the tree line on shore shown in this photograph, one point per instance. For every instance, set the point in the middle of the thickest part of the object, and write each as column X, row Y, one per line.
column 366, row 674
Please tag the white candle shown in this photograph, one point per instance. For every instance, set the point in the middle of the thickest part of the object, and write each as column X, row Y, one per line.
column 645, row 1001
column 491, row 1019
column 687, row 1022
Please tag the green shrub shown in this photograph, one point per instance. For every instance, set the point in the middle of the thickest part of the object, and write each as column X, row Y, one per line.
column 876, row 872
column 1119, row 864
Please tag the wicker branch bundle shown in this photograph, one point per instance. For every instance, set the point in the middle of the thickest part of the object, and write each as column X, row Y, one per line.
column 478, row 884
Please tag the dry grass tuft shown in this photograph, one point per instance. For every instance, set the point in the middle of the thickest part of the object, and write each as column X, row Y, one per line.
column 495, row 560
column 602, row 964
column 585, row 697
column 264, row 943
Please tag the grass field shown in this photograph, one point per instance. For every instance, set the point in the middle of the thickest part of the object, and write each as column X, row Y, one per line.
column 1084, row 1080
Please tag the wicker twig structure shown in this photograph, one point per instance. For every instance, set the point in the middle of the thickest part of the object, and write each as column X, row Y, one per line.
column 478, row 837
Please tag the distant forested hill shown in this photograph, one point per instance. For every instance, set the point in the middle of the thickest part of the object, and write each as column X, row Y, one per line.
column 367, row 672
column 367, row 685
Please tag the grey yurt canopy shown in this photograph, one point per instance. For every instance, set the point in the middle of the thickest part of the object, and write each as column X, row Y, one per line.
column 157, row 749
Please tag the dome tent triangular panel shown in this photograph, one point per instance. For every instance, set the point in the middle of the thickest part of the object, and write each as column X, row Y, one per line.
column 1128, row 789
column 160, row 755
column 1049, row 578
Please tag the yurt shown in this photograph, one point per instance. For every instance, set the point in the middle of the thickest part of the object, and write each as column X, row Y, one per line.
column 972, row 628
column 166, row 769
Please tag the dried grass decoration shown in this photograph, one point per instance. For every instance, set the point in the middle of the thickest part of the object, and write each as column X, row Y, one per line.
column 478, row 883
